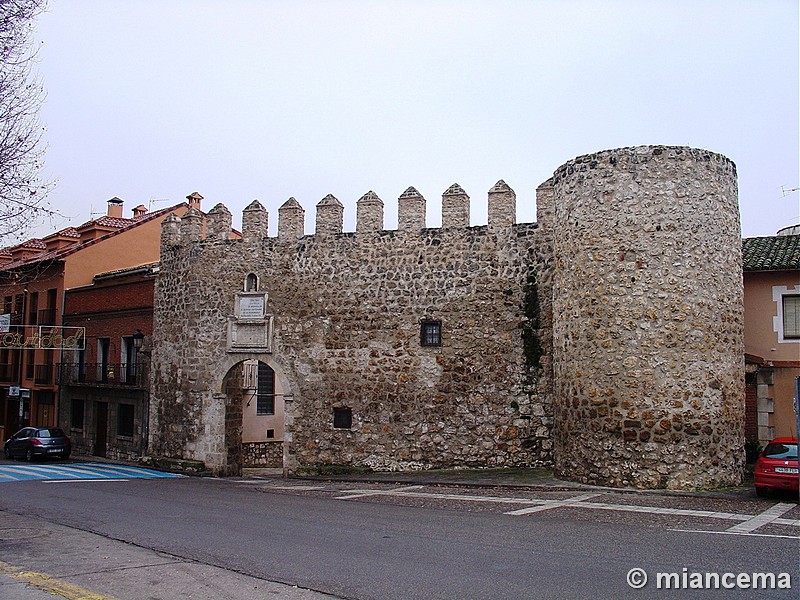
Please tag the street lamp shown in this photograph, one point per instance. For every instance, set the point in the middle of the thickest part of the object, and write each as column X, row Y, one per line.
column 138, row 340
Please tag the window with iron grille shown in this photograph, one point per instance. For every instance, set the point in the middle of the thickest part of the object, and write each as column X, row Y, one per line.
column 76, row 416
column 342, row 418
column 430, row 333
column 125, row 414
column 30, row 357
column 265, row 393
column 33, row 308
column 17, row 318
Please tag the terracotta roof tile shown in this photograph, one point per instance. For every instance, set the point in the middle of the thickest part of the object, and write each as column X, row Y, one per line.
column 33, row 243
column 774, row 253
column 107, row 221
column 120, row 224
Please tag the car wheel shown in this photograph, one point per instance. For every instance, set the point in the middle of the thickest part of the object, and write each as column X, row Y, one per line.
column 762, row 492
column 29, row 455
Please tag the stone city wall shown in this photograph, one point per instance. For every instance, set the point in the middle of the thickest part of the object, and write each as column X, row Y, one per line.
column 262, row 455
column 607, row 337
column 347, row 310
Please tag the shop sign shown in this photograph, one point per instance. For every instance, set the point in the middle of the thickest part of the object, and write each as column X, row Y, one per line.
column 44, row 337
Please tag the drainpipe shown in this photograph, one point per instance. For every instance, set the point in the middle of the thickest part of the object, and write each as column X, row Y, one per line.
column 57, row 406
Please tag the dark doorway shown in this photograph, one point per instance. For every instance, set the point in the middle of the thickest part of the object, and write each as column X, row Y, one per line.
column 233, row 387
column 101, row 428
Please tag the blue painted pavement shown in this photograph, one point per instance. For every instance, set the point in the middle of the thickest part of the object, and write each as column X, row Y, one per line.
column 77, row 471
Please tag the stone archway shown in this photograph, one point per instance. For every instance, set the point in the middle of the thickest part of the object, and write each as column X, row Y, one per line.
column 254, row 393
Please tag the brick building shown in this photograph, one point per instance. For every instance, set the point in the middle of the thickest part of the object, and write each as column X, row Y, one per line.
column 34, row 277
column 104, row 386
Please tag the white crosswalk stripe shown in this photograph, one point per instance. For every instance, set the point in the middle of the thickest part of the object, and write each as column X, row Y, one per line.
column 77, row 472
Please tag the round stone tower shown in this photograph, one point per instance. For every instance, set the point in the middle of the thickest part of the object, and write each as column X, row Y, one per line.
column 647, row 319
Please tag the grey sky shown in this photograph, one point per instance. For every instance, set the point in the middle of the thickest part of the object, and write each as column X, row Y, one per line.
column 152, row 100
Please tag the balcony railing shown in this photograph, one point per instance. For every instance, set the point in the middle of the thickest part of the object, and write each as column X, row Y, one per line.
column 8, row 372
column 112, row 374
column 43, row 374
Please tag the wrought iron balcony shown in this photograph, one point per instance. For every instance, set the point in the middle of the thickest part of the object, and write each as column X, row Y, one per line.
column 106, row 374
column 8, row 372
column 43, row 374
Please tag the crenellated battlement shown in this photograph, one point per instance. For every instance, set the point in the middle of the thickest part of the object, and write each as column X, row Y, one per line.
column 411, row 216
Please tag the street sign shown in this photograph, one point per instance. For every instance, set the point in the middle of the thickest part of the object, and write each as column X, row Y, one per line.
column 13, row 391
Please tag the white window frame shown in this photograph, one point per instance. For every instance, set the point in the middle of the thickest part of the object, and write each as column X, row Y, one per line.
column 778, row 293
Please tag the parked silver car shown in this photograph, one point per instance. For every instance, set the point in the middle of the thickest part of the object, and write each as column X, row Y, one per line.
column 33, row 442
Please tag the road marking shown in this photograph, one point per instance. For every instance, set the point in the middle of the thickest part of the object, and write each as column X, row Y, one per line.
column 409, row 491
column 574, row 501
column 366, row 493
column 533, row 505
column 761, row 519
column 51, row 585
column 729, row 532
column 78, row 472
column 82, row 480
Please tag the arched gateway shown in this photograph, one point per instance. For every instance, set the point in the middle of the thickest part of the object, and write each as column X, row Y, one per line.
column 254, row 416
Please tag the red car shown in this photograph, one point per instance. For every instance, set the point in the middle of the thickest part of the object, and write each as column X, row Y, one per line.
column 776, row 468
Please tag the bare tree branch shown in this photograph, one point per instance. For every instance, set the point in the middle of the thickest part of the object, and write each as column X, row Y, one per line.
column 23, row 193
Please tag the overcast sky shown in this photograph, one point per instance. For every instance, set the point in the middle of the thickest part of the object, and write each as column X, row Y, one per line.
column 152, row 100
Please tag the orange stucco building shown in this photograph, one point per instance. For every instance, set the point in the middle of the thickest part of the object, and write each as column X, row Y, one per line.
column 34, row 276
column 772, row 333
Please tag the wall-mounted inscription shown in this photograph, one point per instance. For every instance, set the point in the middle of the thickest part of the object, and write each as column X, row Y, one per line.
column 251, row 307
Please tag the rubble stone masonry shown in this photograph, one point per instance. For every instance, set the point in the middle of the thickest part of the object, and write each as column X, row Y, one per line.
column 636, row 380
column 648, row 334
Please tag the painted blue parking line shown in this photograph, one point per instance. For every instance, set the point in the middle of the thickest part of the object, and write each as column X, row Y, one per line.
column 78, row 472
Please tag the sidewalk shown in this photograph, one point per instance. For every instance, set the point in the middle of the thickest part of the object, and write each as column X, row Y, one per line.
column 537, row 478
column 45, row 561
column 542, row 479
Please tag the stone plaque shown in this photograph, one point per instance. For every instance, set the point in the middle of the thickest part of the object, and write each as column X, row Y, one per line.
column 251, row 307
column 250, row 336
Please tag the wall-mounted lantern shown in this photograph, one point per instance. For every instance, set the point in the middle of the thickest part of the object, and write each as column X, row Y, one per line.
column 138, row 340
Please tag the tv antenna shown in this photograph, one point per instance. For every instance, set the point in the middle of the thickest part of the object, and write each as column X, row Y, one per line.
column 785, row 192
column 154, row 200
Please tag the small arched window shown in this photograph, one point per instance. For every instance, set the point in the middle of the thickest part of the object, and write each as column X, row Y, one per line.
column 251, row 283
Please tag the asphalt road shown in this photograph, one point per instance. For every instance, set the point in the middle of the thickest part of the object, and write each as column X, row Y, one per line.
column 406, row 542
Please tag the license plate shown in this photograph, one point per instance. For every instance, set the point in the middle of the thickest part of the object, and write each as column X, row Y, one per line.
column 789, row 470
column 59, row 450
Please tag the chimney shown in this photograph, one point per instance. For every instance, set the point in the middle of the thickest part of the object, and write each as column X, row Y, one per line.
column 139, row 211
column 115, row 207
column 194, row 200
